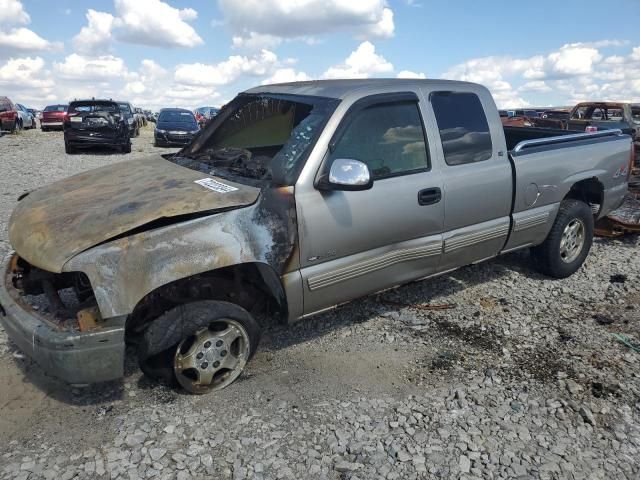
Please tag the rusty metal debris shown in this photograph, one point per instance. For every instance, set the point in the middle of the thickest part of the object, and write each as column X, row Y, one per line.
column 88, row 318
column 626, row 219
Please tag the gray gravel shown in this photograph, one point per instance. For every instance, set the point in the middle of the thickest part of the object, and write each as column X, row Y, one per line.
column 520, row 378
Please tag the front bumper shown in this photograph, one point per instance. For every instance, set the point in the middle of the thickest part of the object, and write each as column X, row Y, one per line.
column 75, row 357
column 173, row 139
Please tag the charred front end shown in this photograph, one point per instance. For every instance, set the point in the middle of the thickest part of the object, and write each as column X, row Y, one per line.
column 53, row 318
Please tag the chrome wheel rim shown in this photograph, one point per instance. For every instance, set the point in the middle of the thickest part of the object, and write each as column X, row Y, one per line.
column 213, row 357
column 572, row 240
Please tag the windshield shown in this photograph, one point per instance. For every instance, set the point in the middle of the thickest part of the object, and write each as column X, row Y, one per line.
column 56, row 108
column 125, row 108
column 176, row 116
column 260, row 137
column 93, row 107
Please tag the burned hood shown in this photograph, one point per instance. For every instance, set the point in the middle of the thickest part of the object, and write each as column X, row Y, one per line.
column 56, row 222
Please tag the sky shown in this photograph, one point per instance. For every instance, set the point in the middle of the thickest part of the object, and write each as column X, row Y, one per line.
column 190, row 53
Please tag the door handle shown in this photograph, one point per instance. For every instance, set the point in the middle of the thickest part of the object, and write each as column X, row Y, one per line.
column 429, row 196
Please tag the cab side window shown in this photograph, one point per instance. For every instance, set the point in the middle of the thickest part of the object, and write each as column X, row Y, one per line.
column 389, row 138
column 463, row 127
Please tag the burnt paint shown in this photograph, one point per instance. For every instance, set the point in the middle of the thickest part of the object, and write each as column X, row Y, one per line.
column 122, row 272
column 56, row 222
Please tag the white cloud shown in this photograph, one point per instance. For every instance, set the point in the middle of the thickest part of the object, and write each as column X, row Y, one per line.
column 572, row 60
column 535, row 86
column 155, row 23
column 96, row 36
column 255, row 41
column 284, row 75
column 304, row 18
column 25, row 72
column 227, row 71
column 19, row 40
column 12, row 12
column 574, row 72
column 23, row 40
column 83, row 68
column 410, row 74
column 361, row 63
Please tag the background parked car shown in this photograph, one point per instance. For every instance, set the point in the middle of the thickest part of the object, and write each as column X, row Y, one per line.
column 53, row 117
column 204, row 114
column 91, row 123
column 27, row 121
column 14, row 116
column 140, row 117
column 127, row 111
column 176, row 126
column 150, row 116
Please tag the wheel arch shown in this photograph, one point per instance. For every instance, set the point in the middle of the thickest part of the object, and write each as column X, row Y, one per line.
column 590, row 191
column 255, row 286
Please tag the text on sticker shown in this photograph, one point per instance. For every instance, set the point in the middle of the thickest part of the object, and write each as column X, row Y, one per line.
column 215, row 185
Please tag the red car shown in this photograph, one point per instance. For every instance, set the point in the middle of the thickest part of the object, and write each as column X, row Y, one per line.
column 53, row 117
column 9, row 116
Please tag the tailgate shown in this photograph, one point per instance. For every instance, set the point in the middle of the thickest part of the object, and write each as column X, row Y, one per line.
column 93, row 121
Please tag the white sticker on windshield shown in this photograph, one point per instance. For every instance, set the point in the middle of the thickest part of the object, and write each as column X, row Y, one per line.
column 215, row 185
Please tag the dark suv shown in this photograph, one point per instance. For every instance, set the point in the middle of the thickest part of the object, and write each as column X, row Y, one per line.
column 90, row 123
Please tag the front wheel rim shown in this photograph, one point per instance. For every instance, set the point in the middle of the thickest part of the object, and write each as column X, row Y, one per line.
column 572, row 240
column 213, row 357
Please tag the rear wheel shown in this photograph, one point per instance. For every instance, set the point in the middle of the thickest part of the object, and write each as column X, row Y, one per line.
column 566, row 247
column 202, row 346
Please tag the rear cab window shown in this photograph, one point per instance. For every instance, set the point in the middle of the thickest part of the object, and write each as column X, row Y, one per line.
column 87, row 107
column 55, row 108
column 463, row 127
column 388, row 137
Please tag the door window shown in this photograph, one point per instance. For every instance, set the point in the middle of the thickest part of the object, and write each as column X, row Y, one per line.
column 463, row 127
column 389, row 138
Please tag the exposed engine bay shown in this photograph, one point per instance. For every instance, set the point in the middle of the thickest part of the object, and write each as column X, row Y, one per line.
column 65, row 300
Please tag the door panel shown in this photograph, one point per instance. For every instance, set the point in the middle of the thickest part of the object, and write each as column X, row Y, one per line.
column 478, row 177
column 356, row 243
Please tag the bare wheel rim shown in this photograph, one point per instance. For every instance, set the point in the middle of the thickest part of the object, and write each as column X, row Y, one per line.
column 572, row 240
column 213, row 357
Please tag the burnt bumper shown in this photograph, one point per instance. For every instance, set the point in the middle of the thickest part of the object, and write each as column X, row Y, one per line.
column 75, row 357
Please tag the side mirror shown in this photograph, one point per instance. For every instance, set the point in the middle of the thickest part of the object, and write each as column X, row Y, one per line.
column 346, row 174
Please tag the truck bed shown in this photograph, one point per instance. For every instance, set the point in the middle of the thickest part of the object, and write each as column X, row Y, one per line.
column 515, row 135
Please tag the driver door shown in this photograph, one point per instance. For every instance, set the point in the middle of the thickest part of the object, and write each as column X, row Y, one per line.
column 353, row 243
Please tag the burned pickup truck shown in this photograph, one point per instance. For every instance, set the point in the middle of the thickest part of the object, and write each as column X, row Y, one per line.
column 294, row 199
column 91, row 123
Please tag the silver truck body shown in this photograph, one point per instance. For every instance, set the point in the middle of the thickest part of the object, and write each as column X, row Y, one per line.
column 312, row 249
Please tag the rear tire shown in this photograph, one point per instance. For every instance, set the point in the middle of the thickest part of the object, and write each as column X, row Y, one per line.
column 566, row 247
column 68, row 149
column 195, row 330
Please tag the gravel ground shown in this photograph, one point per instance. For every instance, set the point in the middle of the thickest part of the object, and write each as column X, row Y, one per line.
column 520, row 378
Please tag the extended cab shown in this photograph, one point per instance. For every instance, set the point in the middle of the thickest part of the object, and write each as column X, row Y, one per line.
column 294, row 199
